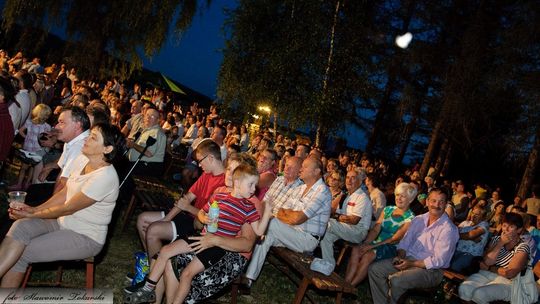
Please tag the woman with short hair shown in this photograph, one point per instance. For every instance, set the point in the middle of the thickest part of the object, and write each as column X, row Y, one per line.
column 381, row 240
column 506, row 256
column 73, row 223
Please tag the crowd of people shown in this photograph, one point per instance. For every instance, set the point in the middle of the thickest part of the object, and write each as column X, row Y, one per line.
column 271, row 190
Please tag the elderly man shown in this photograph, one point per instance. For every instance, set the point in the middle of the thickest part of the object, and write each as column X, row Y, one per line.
column 283, row 186
column 152, row 161
column 352, row 221
column 300, row 226
column 135, row 123
column 427, row 247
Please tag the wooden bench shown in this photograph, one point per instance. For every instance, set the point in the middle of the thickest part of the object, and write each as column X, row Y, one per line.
column 90, row 266
column 343, row 251
column 454, row 276
column 296, row 261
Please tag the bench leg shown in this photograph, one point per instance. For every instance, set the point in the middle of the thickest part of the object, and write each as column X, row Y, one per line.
column 301, row 291
column 89, row 274
column 234, row 293
column 129, row 210
column 26, row 276
column 338, row 297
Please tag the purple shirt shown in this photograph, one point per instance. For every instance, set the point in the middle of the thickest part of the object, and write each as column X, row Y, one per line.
column 434, row 245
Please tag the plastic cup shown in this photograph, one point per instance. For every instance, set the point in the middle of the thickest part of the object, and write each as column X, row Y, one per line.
column 16, row 199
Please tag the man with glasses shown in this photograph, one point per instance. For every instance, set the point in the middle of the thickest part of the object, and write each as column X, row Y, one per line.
column 155, row 227
column 151, row 163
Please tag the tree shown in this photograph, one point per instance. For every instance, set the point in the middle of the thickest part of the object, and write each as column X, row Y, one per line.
column 531, row 167
column 104, row 36
column 307, row 71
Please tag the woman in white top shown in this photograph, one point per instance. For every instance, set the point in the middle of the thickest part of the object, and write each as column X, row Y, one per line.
column 73, row 223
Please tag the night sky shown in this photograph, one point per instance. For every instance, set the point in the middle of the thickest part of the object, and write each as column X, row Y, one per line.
column 195, row 60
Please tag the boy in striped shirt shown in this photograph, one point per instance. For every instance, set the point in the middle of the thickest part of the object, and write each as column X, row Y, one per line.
column 234, row 210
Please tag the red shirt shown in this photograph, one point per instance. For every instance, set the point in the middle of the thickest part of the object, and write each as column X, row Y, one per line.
column 205, row 186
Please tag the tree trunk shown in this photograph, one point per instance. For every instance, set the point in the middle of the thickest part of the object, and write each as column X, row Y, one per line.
column 530, row 169
column 383, row 109
column 328, row 67
column 409, row 130
column 446, row 164
column 392, row 76
column 430, row 152
column 406, row 139
column 442, row 156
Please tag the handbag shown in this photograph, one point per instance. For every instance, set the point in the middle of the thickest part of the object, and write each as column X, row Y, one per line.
column 524, row 288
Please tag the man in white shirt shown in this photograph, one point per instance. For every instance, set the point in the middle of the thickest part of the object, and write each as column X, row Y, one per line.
column 191, row 133
column 72, row 128
column 352, row 221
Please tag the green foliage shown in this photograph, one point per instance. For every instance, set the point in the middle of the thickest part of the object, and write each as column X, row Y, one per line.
column 472, row 65
column 278, row 54
column 104, row 37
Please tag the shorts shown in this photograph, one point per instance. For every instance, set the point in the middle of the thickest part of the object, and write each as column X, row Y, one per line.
column 182, row 225
column 209, row 256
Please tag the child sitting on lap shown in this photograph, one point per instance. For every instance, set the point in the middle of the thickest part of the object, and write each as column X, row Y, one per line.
column 235, row 210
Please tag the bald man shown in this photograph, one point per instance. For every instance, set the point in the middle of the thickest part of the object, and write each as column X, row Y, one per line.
column 301, row 221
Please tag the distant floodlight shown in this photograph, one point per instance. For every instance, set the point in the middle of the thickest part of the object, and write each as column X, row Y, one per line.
column 403, row 40
column 265, row 109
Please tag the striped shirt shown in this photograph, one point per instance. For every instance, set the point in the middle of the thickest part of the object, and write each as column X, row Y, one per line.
column 505, row 256
column 233, row 213
column 316, row 205
column 279, row 192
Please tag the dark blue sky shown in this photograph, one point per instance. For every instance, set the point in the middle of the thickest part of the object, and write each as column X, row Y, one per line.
column 195, row 60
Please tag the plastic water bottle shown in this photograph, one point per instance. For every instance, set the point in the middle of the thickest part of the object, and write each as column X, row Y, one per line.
column 213, row 217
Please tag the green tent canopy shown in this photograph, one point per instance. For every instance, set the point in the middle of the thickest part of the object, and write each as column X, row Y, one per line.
column 173, row 87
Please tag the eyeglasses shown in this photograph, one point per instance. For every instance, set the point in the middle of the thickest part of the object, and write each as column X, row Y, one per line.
column 201, row 160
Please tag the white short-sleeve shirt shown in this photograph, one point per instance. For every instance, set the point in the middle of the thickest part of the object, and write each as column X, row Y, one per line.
column 100, row 185
column 359, row 204
column 72, row 150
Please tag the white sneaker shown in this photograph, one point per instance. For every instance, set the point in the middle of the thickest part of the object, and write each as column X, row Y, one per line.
column 31, row 155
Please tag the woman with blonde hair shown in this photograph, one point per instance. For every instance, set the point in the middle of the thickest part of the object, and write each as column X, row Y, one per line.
column 381, row 240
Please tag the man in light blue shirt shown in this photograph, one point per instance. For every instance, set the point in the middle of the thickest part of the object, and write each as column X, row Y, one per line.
column 426, row 248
